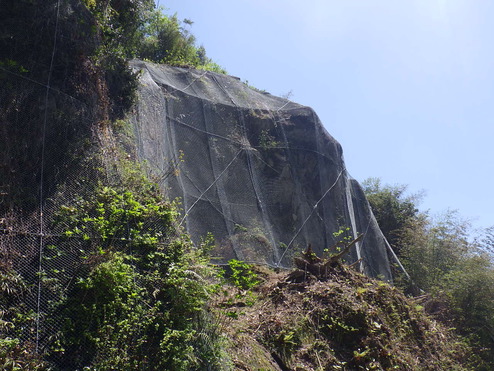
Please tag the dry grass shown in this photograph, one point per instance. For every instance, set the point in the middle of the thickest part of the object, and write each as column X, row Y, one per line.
column 342, row 321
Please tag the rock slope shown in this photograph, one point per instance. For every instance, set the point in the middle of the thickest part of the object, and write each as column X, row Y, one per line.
column 258, row 172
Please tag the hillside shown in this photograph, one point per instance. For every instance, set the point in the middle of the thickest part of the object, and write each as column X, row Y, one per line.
column 341, row 320
column 101, row 268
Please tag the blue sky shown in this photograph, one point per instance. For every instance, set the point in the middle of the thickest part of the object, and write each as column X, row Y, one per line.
column 407, row 88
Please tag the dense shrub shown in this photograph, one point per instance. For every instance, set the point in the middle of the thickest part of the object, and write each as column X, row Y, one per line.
column 142, row 304
column 164, row 39
column 444, row 259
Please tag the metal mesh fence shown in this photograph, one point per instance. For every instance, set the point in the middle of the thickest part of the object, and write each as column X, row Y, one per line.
column 257, row 171
column 50, row 156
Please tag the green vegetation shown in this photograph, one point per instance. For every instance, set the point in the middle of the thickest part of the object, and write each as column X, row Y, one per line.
column 393, row 209
column 119, row 285
column 132, row 29
column 446, row 260
column 143, row 302
column 15, row 317
column 138, row 291
column 267, row 141
column 242, row 276
column 341, row 320
column 164, row 39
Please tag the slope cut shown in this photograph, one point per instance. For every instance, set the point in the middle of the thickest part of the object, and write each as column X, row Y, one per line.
column 258, row 172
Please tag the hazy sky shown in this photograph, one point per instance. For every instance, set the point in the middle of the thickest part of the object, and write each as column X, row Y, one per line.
column 407, row 87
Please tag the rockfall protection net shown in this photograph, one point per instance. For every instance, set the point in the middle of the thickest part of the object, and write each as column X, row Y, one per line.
column 51, row 156
column 258, row 172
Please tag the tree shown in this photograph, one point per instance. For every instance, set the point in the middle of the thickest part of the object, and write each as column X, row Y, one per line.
column 445, row 259
column 485, row 240
column 393, row 209
column 120, row 22
column 433, row 247
column 166, row 39
column 469, row 288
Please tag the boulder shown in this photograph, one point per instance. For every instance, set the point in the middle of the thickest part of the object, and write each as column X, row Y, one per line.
column 258, row 172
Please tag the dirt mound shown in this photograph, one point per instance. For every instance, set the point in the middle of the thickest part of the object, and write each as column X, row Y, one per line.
column 342, row 321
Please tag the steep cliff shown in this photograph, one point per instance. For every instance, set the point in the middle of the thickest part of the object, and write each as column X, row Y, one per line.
column 257, row 171
column 95, row 273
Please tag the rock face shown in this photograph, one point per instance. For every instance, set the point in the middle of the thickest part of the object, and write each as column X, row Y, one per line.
column 258, row 172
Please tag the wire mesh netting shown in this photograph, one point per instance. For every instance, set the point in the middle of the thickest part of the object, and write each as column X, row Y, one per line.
column 258, row 172
column 53, row 154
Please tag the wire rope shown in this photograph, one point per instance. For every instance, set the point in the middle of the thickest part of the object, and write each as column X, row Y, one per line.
column 41, row 188
column 212, row 184
column 174, row 119
column 212, row 203
column 310, row 214
column 174, row 88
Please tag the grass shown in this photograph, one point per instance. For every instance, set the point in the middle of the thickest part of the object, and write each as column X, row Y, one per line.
column 344, row 321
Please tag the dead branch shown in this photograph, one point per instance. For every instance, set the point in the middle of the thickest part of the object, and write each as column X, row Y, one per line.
column 310, row 262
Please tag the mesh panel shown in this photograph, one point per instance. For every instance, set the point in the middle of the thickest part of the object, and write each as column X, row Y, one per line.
column 259, row 172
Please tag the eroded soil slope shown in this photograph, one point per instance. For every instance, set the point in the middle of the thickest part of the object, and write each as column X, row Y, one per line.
column 340, row 320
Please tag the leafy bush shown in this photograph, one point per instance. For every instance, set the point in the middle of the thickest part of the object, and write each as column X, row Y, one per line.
column 242, row 276
column 143, row 303
column 164, row 39
column 393, row 209
column 443, row 259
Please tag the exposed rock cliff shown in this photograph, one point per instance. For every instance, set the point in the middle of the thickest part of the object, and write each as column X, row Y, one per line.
column 257, row 171
column 93, row 271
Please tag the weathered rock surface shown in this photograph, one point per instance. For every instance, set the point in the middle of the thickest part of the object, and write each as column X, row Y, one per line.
column 257, row 171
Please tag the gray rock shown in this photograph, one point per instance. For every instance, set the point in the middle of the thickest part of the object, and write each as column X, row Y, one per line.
column 257, row 171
